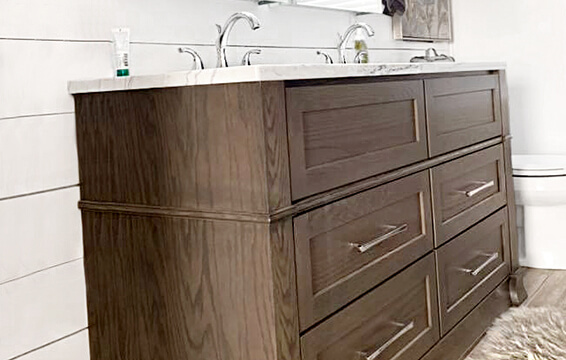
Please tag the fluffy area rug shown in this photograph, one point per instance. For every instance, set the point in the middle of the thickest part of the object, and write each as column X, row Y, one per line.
column 525, row 334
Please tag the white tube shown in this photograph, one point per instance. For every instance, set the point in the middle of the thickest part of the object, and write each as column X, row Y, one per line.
column 121, row 45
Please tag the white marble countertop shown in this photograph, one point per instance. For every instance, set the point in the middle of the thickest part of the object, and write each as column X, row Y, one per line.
column 270, row 73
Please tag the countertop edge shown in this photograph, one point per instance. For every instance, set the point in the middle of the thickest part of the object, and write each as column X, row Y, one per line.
column 261, row 73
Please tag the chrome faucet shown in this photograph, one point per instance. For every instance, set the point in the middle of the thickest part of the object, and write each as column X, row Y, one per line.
column 224, row 32
column 347, row 35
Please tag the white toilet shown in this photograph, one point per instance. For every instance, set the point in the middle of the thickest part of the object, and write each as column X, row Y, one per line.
column 540, row 191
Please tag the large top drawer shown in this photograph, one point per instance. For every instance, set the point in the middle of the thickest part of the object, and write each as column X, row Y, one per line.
column 342, row 133
column 462, row 111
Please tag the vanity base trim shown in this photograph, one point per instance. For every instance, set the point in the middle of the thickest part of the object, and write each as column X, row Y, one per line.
column 133, row 209
column 466, row 334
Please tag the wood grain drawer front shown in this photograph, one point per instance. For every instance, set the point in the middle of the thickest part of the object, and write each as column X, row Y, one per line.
column 465, row 190
column 462, row 111
column 342, row 133
column 398, row 320
column 472, row 265
column 346, row 248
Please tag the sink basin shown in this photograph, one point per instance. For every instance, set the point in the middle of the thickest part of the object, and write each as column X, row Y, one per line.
column 279, row 72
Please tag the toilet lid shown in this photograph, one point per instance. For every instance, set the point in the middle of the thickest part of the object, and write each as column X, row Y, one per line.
column 539, row 165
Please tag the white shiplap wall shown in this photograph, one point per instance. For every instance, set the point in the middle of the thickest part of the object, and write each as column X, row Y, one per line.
column 45, row 43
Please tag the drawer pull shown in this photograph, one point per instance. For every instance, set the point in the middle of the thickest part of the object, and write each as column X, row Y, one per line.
column 376, row 353
column 481, row 188
column 476, row 272
column 395, row 230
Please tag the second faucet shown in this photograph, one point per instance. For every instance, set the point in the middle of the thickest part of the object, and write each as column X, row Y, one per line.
column 224, row 32
column 347, row 35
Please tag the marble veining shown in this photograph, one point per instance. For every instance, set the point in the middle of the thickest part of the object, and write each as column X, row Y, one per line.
column 269, row 73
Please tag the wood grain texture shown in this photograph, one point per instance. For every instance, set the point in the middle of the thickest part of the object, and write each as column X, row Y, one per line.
column 135, row 209
column 276, row 145
column 462, row 111
column 462, row 338
column 372, row 321
column 459, row 290
column 342, row 133
column 534, row 279
column 197, row 234
column 284, row 290
column 552, row 291
column 330, row 272
column 454, row 211
column 209, row 148
column 176, row 289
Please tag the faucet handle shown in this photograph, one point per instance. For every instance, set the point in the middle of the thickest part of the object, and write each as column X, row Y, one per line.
column 327, row 58
column 198, row 64
column 246, row 59
column 361, row 56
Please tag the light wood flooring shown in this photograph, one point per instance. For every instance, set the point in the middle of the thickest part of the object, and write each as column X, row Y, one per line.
column 545, row 288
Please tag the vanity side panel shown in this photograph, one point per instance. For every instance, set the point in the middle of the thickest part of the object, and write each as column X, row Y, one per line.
column 516, row 285
column 199, row 148
column 509, row 170
column 163, row 288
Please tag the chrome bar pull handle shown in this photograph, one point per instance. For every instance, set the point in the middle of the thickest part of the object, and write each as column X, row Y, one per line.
column 395, row 230
column 478, row 270
column 479, row 189
column 382, row 348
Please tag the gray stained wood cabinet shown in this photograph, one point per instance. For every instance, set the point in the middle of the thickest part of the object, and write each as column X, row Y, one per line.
column 356, row 218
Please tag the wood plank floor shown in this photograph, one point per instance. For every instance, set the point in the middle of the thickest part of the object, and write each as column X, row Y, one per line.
column 545, row 288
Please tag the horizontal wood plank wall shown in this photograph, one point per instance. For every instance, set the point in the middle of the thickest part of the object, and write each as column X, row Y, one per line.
column 43, row 47
column 42, row 307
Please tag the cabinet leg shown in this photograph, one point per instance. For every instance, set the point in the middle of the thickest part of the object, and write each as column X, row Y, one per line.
column 517, row 289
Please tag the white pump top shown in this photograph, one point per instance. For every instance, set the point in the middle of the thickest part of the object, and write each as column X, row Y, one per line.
column 539, row 165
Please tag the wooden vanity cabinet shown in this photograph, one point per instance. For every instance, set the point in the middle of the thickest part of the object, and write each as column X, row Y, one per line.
column 354, row 218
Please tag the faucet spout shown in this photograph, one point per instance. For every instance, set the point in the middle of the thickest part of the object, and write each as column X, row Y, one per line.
column 347, row 35
column 224, row 32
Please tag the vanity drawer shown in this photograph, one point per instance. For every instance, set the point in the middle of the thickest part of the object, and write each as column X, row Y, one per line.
column 346, row 248
column 342, row 133
column 462, row 111
column 470, row 266
column 397, row 320
column 465, row 190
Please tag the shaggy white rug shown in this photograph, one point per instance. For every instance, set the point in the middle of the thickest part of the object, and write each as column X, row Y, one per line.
column 525, row 334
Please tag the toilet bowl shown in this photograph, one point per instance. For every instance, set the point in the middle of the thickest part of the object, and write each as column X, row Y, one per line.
column 540, row 193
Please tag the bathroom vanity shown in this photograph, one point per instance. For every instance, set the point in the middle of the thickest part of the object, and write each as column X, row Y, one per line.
column 317, row 212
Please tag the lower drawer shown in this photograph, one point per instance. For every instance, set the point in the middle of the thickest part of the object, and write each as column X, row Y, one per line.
column 471, row 266
column 461, row 339
column 397, row 320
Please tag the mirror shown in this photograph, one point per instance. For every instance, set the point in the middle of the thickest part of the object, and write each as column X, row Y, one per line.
column 358, row 6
